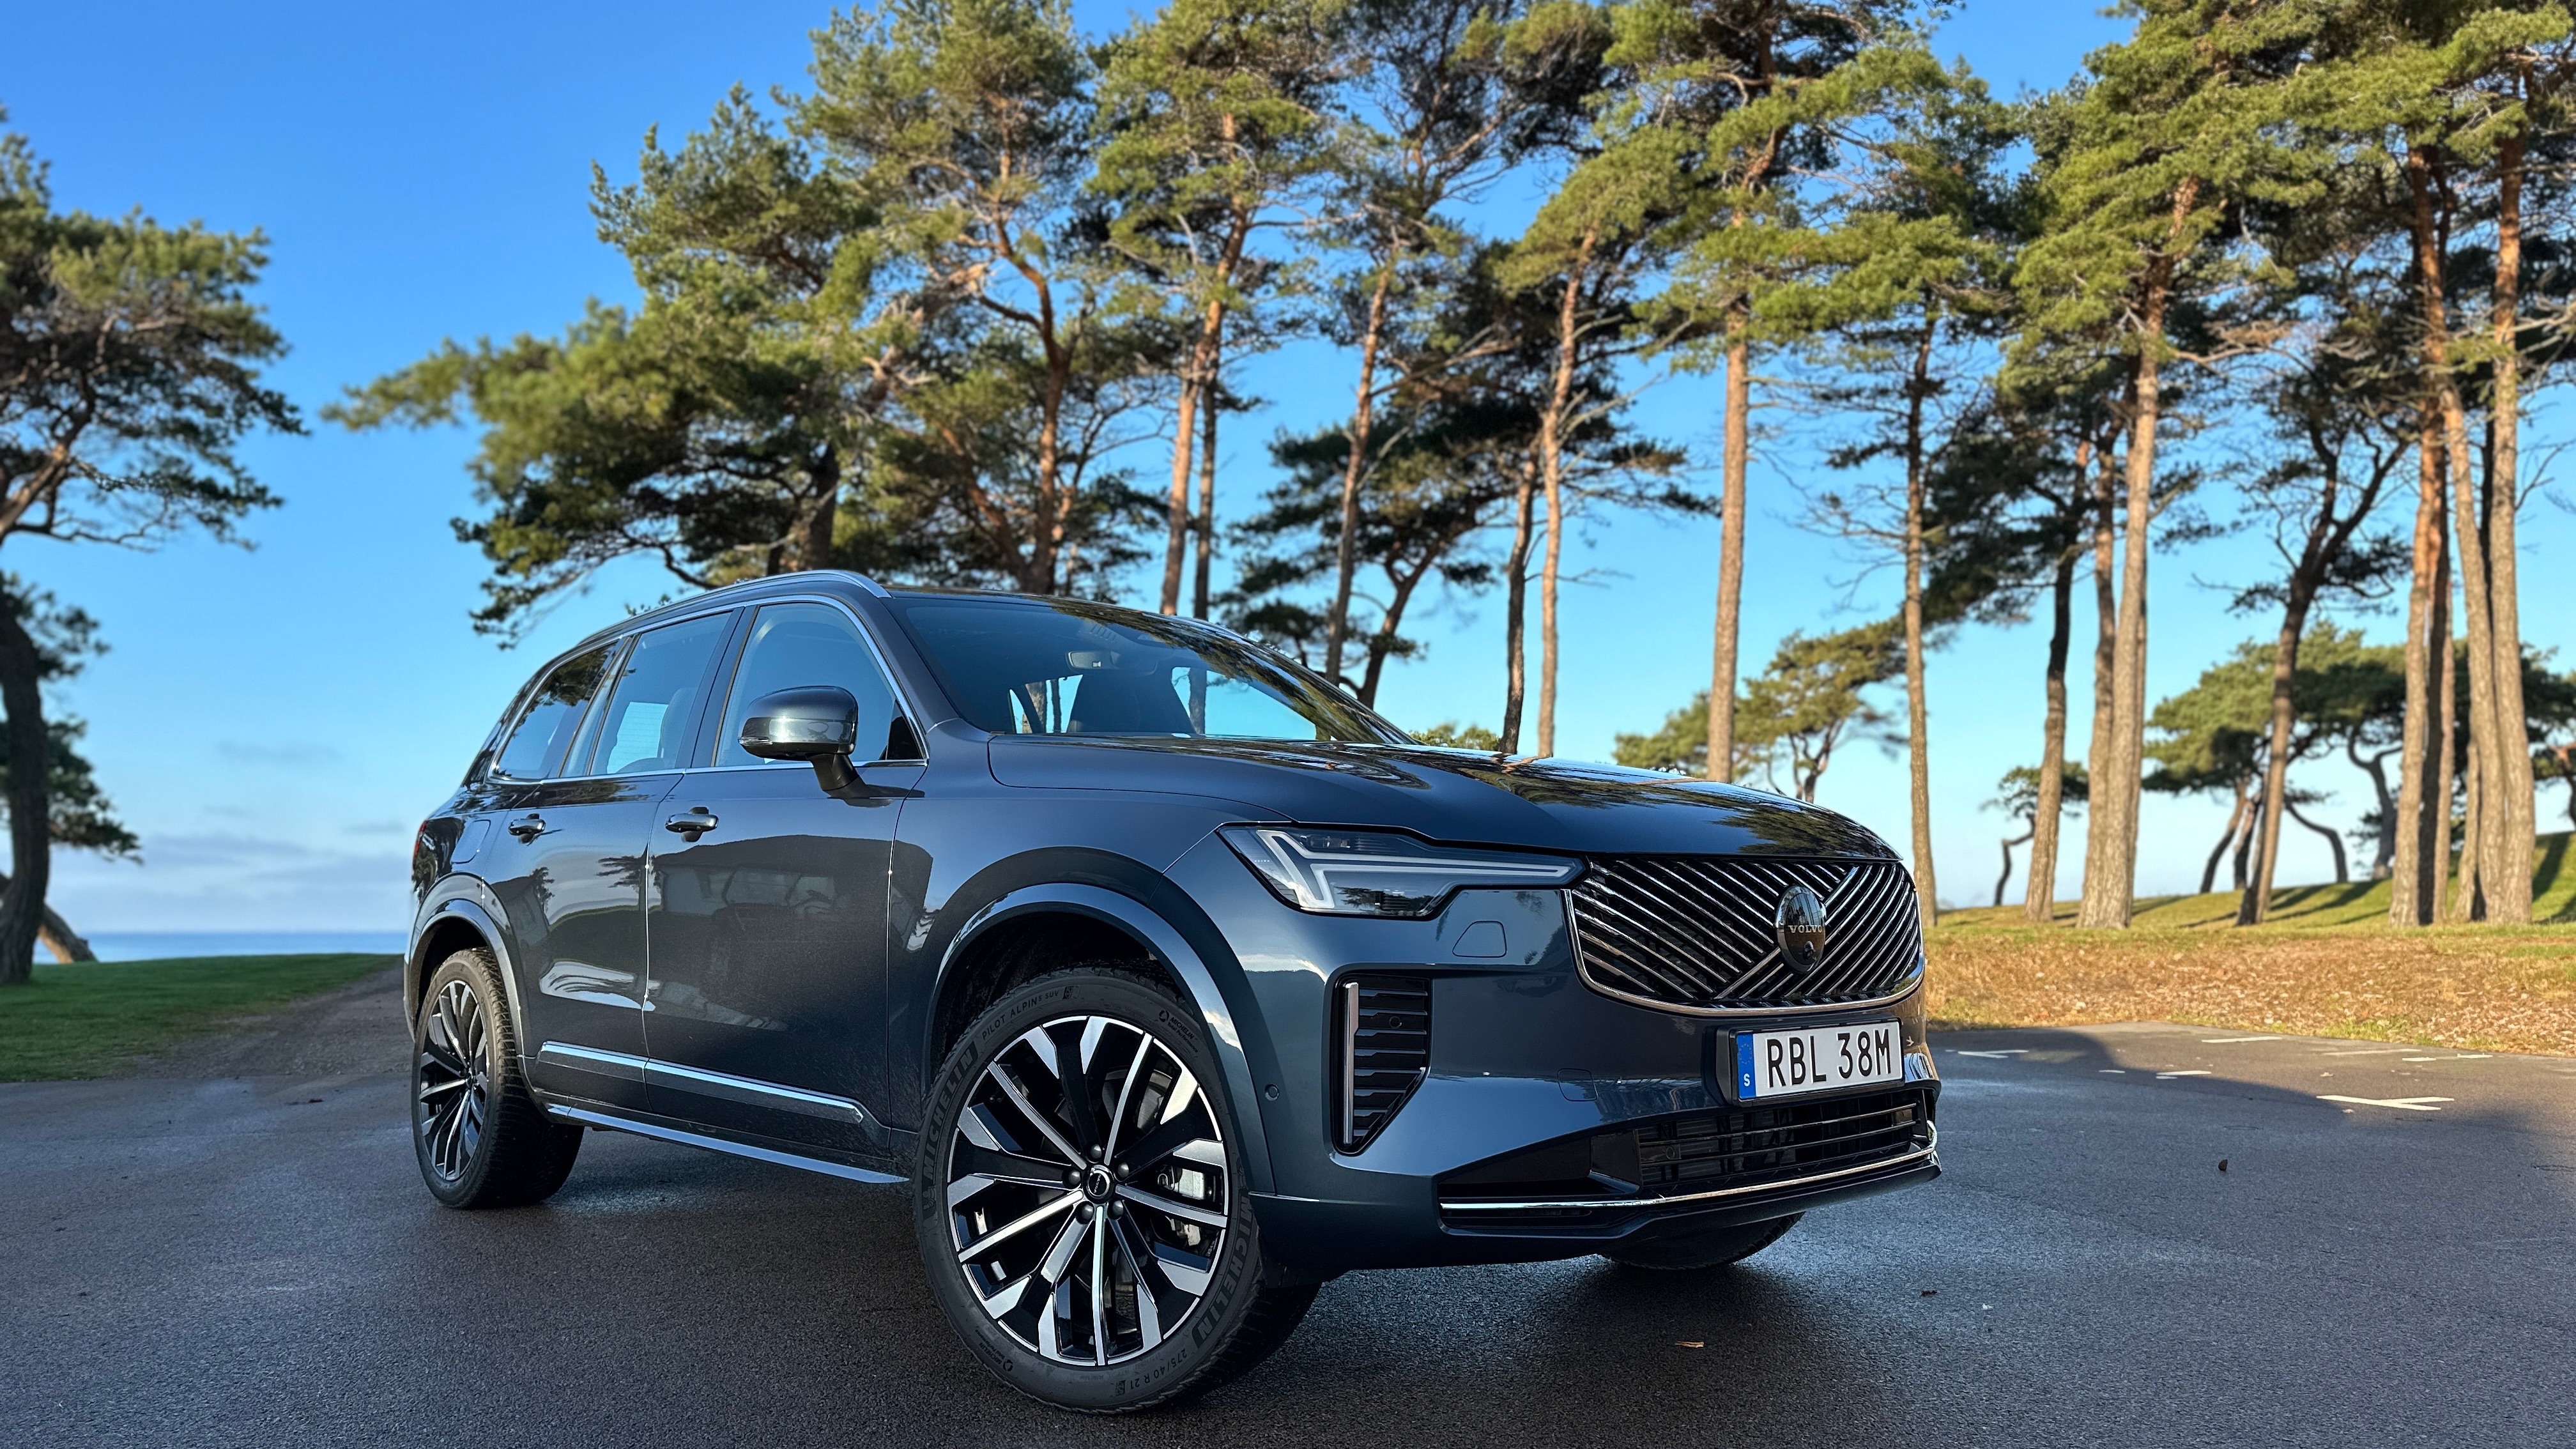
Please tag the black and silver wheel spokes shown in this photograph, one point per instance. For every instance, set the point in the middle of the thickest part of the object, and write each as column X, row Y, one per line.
column 1087, row 1195
column 451, row 1080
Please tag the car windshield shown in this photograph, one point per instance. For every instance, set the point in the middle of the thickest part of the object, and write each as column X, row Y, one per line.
column 1048, row 666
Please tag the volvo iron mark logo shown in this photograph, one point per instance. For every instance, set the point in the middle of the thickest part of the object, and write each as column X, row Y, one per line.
column 1801, row 923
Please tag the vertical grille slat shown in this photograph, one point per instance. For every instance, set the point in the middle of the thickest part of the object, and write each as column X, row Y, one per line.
column 1382, row 1046
column 1698, row 932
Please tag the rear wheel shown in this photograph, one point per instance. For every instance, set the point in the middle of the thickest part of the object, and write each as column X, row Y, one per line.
column 481, row 1138
column 1707, row 1248
column 1082, row 1210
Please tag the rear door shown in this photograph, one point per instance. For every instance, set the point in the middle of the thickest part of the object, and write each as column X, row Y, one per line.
column 569, row 857
column 768, row 908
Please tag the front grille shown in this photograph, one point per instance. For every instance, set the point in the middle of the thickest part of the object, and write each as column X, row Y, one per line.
column 1701, row 933
column 1383, row 1046
column 1691, row 1157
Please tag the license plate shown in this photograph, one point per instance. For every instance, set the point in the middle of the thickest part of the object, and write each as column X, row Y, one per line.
column 1772, row 1064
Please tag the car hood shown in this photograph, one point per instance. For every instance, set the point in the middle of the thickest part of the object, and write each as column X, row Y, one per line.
column 1460, row 796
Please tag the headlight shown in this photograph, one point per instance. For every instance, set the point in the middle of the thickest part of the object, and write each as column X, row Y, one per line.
column 1365, row 873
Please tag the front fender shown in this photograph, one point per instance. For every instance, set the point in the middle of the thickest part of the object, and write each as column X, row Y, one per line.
column 1228, row 1021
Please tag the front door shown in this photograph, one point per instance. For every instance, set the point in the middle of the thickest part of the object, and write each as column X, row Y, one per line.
column 768, row 913
column 569, row 855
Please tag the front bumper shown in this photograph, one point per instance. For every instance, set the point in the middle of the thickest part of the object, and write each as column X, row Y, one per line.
column 1528, row 1065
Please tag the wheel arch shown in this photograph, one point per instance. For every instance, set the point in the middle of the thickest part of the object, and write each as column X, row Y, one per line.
column 979, row 966
column 460, row 914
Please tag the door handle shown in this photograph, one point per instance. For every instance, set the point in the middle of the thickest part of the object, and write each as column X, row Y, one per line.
column 528, row 827
column 694, row 824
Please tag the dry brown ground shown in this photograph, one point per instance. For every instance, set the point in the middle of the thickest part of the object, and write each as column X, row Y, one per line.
column 2483, row 987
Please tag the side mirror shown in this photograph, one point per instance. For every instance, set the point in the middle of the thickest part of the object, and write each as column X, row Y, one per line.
column 815, row 723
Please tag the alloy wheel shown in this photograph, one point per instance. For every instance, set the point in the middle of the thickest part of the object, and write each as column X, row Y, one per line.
column 452, row 1080
column 1087, row 1192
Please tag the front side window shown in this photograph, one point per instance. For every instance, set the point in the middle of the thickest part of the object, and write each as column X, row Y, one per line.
column 1028, row 666
column 535, row 748
column 792, row 645
column 654, row 706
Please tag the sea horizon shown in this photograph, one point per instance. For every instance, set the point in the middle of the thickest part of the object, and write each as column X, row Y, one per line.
column 170, row 945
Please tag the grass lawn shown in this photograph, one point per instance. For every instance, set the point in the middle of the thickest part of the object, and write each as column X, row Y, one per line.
column 2327, row 965
column 89, row 1020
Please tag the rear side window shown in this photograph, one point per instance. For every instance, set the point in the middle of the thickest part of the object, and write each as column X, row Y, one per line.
column 800, row 644
column 654, row 706
column 535, row 748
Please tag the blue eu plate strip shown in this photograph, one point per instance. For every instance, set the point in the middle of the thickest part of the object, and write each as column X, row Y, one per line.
column 1743, row 1064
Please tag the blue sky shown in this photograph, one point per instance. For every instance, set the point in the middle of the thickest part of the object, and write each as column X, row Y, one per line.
column 274, row 722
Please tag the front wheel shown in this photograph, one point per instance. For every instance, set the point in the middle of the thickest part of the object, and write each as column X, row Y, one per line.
column 1707, row 1248
column 1082, row 1209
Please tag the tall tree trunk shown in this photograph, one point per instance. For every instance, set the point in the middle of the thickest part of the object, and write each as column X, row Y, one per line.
column 1337, row 623
column 57, row 935
column 2256, row 907
column 1730, row 550
column 2111, row 889
column 22, row 904
column 2003, row 882
column 1516, row 608
column 2226, row 838
column 2384, row 847
column 2470, row 543
column 822, row 515
column 2478, row 856
column 1210, row 407
column 2468, row 894
column 1185, row 445
column 2422, row 820
column 2106, row 644
column 2512, row 810
column 2113, row 839
column 1918, row 712
column 2039, row 902
column 2245, row 845
column 2334, row 843
column 2446, row 710
column 1551, row 457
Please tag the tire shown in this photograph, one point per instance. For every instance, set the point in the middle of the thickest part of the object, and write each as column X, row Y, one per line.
column 1707, row 1248
column 1017, row 1175
column 481, row 1139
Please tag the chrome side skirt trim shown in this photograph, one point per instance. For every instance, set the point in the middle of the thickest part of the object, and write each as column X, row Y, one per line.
column 1928, row 1152
column 718, row 1144
column 749, row 1091
column 756, row 1093
column 584, row 1059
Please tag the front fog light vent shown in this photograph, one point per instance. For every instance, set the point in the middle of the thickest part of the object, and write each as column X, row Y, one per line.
column 1383, row 1036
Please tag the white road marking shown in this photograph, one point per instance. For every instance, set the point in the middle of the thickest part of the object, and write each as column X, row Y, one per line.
column 2169, row 1076
column 2420, row 1059
column 2403, row 1104
column 2232, row 1040
column 2368, row 1052
column 2113, row 1071
column 2003, row 1052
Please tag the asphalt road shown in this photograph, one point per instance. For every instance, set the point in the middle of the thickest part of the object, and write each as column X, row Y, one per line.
column 190, row 1257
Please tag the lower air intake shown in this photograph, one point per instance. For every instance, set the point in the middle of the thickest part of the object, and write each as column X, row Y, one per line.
column 1382, row 1037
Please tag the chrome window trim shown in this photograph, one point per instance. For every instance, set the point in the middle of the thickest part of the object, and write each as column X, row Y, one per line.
column 1583, row 968
column 718, row 1144
column 1928, row 1152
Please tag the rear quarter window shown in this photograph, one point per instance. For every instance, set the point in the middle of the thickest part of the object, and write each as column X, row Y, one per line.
column 536, row 744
